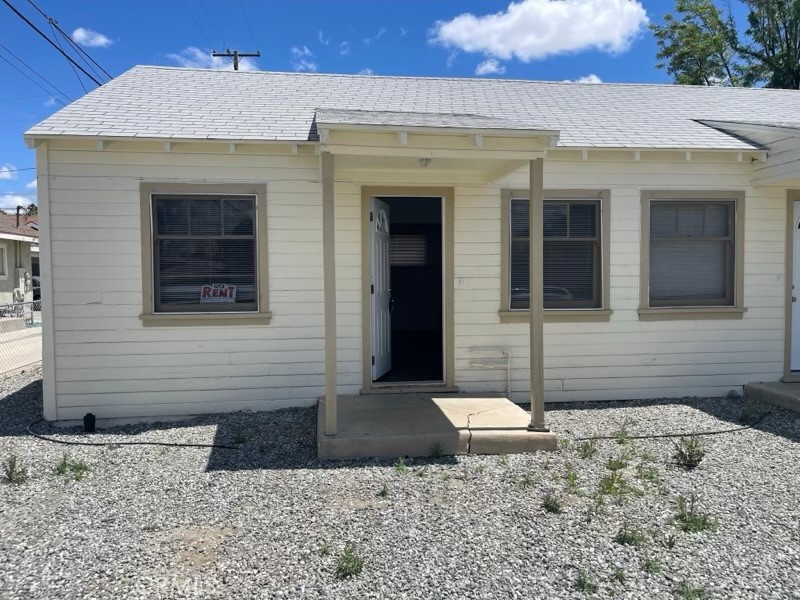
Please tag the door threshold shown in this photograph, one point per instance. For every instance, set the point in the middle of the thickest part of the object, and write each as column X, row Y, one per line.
column 404, row 387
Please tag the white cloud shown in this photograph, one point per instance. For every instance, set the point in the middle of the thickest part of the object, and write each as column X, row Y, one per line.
column 366, row 71
column 302, row 59
column 591, row 78
column 10, row 201
column 367, row 41
column 50, row 101
column 380, row 33
column 403, row 31
column 201, row 59
column 344, row 48
column 90, row 38
column 535, row 29
column 31, row 185
column 8, row 171
column 451, row 58
column 491, row 66
column 322, row 39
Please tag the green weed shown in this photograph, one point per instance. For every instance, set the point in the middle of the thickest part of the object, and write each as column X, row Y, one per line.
column 688, row 452
column 627, row 536
column 71, row 468
column 349, row 563
column 13, row 471
column 584, row 582
column 552, row 503
column 691, row 521
column 587, row 449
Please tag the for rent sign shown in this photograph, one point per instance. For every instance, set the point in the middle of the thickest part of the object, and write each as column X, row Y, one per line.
column 214, row 293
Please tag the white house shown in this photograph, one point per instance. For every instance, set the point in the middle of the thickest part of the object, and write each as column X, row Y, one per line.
column 18, row 250
column 214, row 241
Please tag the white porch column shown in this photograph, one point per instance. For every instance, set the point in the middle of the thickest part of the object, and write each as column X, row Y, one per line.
column 536, row 237
column 329, row 282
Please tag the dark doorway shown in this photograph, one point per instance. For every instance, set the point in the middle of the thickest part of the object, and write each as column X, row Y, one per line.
column 416, row 282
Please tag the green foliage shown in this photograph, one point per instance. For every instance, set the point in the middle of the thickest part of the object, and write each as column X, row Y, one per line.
column 571, row 477
column 615, row 484
column 71, row 468
column 689, row 452
column 324, row 549
column 751, row 412
column 349, row 563
column 383, row 492
column 552, row 503
column 587, row 449
column 621, row 436
column 584, row 582
column 437, row 449
column 687, row 592
column 648, row 473
column 703, row 45
column 617, row 574
column 400, row 465
column 653, row 566
column 526, row 481
column 32, row 209
column 691, row 521
column 13, row 471
column 669, row 541
column 628, row 536
column 616, row 464
column 563, row 443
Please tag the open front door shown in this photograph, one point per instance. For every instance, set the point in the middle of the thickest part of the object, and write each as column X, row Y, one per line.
column 795, row 333
column 381, row 290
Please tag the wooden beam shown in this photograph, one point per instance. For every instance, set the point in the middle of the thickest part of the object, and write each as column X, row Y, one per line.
column 536, row 284
column 329, row 285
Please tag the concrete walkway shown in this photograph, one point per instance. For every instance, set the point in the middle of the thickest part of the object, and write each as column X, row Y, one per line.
column 393, row 425
column 20, row 348
column 785, row 395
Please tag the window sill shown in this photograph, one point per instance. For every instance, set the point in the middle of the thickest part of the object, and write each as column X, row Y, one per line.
column 558, row 315
column 691, row 313
column 205, row 319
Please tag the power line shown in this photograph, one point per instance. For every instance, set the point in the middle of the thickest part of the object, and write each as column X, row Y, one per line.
column 247, row 22
column 197, row 24
column 213, row 22
column 36, row 83
column 17, row 170
column 49, row 41
column 35, row 72
column 68, row 38
column 74, row 70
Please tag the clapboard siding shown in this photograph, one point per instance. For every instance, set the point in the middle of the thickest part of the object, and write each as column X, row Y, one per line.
column 109, row 363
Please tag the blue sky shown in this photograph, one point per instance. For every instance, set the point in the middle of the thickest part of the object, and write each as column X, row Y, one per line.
column 532, row 39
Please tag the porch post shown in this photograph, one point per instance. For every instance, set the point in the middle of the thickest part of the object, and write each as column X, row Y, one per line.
column 536, row 237
column 329, row 284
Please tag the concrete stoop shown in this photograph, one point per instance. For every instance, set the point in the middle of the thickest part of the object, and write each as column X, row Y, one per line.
column 785, row 395
column 389, row 426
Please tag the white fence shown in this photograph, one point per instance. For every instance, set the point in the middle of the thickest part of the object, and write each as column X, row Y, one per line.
column 20, row 335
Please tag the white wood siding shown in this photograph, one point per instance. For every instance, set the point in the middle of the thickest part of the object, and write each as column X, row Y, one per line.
column 109, row 364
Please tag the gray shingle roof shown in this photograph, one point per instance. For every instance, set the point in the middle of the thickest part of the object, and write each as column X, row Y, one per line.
column 163, row 102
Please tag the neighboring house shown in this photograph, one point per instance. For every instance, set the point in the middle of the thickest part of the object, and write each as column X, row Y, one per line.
column 214, row 241
column 19, row 250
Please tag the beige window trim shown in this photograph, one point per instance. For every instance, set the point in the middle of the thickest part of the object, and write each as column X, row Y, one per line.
column 556, row 315
column 3, row 261
column 673, row 313
column 150, row 318
column 789, row 376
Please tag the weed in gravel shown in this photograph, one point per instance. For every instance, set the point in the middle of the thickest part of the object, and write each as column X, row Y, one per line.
column 479, row 469
column 13, row 471
column 71, row 468
column 596, row 507
column 648, row 456
column 751, row 412
column 621, row 435
column 653, row 566
column 400, row 466
column 349, row 563
column 648, row 474
column 585, row 583
column 615, row 484
column 563, row 443
column 421, row 471
column 504, row 460
column 688, row 592
column 689, row 519
column 587, row 449
column 618, row 575
column 324, row 549
column 524, row 482
column 571, row 477
column 383, row 492
column 552, row 503
column 668, row 541
column 546, row 465
column 238, row 437
column 437, row 449
column 628, row 536
column 689, row 451
column 446, row 477
column 616, row 464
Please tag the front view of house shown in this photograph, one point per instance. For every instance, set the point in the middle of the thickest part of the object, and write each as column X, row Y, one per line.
column 215, row 241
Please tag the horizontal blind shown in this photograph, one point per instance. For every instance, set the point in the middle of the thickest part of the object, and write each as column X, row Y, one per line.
column 205, row 254
column 691, row 253
column 407, row 250
column 571, row 254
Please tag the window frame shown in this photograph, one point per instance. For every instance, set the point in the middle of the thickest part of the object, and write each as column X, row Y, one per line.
column 3, row 261
column 212, row 317
column 522, row 315
column 702, row 309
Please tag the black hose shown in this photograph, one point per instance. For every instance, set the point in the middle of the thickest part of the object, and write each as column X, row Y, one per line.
column 676, row 435
column 71, row 443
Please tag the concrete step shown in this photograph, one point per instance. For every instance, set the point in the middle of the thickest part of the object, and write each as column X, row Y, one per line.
column 785, row 395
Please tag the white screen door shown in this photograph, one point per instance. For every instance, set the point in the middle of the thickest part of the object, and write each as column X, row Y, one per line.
column 381, row 290
column 795, row 356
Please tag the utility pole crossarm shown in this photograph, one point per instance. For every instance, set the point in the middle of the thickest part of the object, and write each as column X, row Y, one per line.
column 235, row 55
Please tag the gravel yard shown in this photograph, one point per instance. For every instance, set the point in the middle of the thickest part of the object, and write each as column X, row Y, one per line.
column 269, row 520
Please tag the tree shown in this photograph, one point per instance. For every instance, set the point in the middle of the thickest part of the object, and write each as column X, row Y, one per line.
column 32, row 209
column 703, row 45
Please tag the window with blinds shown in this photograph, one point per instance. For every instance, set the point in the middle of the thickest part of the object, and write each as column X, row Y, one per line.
column 572, row 254
column 204, row 253
column 407, row 250
column 692, row 253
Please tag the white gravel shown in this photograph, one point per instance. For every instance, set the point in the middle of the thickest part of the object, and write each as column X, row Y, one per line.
column 154, row 522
